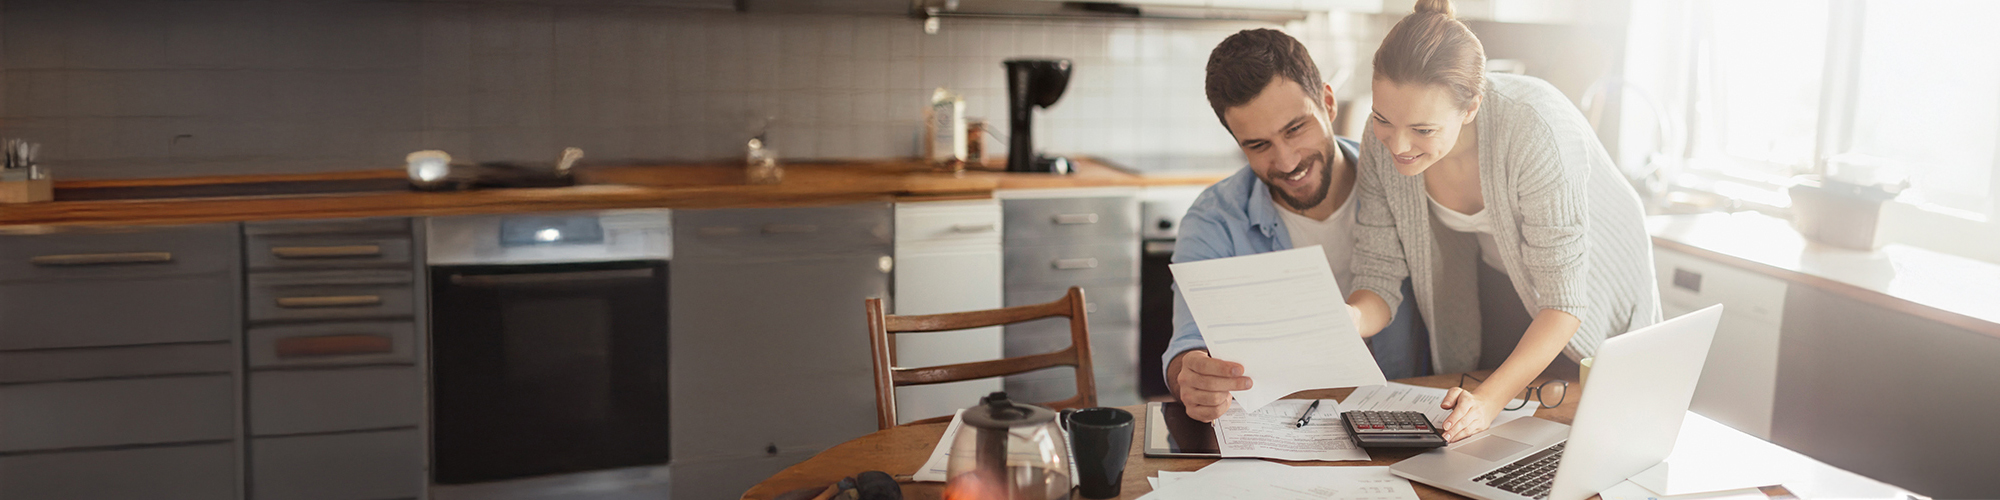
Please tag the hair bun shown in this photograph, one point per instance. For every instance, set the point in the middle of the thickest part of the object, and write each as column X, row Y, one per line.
column 1437, row 6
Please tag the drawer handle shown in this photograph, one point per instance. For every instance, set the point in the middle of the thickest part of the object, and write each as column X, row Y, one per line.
column 975, row 228
column 333, row 345
column 790, row 228
column 330, row 301
column 328, row 252
column 1084, row 263
column 101, row 259
column 720, row 231
column 1073, row 219
column 559, row 277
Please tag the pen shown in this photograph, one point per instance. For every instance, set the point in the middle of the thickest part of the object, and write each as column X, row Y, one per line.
column 1308, row 416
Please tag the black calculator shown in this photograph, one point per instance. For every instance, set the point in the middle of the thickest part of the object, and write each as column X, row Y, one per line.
column 1391, row 429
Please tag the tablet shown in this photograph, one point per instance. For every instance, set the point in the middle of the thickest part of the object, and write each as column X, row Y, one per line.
column 1170, row 433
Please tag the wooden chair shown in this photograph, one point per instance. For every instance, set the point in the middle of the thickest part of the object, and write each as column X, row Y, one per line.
column 888, row 376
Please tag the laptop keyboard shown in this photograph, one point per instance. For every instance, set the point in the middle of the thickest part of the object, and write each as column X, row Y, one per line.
column 1531, row 476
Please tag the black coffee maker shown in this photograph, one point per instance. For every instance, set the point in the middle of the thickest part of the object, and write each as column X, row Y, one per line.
column 1031, row 83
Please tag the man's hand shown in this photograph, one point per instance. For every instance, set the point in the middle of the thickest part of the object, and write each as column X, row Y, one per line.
column 1469, row 414
column 1203, row 384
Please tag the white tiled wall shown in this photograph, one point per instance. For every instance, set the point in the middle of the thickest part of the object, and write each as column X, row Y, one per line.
column 132, row 88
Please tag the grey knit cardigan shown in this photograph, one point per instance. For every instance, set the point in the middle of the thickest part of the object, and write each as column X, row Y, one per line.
column 1566, row 220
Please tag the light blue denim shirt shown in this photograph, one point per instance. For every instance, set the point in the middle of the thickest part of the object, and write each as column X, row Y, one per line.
column 1235, row 217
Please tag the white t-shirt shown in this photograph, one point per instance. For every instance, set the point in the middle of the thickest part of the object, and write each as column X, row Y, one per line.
column 1480, row 224
column 1335, row 235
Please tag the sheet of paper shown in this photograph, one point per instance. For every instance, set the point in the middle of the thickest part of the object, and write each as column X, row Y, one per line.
column 1397, row 397
column 1272, row 432
column 1281, row 315
column 935, row 467
column 1257, row 479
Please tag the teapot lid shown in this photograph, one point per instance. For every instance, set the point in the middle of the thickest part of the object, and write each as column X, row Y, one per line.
column 995, row 411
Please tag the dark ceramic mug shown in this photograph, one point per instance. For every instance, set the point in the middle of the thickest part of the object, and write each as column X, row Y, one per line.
column 1101, row 439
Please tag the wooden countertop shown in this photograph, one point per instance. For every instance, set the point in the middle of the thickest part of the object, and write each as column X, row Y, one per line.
column 1949, row 289
column 600, row 187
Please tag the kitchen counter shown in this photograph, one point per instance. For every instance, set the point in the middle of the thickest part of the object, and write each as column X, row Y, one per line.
column 375, row 193
column 1939, row 287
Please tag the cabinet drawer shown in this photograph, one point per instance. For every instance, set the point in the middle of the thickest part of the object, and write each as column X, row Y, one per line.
column 948, row 222
column 1072, row 220
column 1111, row 312
column 203, row 472
column 119, row 252
column 782, row 231
column 301, row 401
column 117, row 412
column 366, row 465
column 324, row 344
column 1071, row 264
column 103, row 362
column 1693, row 283
column 326, row 252
column 380, row 225
column 88, row 313
column 331, row 295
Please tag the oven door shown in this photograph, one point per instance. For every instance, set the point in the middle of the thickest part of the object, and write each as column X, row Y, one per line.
column 548, row 368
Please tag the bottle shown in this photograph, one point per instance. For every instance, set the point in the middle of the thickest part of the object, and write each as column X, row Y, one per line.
column 760, row 164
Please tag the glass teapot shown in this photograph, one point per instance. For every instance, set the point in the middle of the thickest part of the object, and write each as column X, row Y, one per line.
column 1007, row 450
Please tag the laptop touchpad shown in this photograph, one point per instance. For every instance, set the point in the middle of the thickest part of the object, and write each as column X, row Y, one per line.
column 1491, row 448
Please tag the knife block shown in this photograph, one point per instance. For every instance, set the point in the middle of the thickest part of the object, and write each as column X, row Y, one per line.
column 27, row 191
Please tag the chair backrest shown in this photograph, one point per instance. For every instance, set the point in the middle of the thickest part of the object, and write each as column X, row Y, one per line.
column 888, row 376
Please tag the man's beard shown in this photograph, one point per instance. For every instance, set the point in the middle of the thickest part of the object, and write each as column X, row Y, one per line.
column 1318, row 195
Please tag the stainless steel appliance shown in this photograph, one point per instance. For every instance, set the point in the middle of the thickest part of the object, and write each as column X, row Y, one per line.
column 549, row 342
column 1160, row 211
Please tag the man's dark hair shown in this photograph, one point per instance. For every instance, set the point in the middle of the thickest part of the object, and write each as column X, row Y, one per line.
column 1242, row 65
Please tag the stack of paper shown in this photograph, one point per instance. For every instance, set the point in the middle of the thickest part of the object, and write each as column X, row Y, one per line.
column 1273, row 432
column 1257, row 479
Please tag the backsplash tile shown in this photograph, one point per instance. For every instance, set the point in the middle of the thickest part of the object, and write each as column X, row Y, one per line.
column 160, row 87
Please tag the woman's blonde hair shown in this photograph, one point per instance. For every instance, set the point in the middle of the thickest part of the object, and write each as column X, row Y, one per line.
column 1432, row 47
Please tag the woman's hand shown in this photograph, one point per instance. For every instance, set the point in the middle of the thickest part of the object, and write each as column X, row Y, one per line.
column 1469, row 414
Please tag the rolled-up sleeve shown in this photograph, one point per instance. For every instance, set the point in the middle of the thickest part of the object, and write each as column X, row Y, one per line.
column 1202, row 237
column 1379, row 263
column 1554, row 209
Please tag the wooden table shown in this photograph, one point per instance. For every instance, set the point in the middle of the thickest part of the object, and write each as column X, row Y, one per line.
column 902, row 450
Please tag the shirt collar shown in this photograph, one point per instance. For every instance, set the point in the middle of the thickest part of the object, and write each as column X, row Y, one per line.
column 1264, row 213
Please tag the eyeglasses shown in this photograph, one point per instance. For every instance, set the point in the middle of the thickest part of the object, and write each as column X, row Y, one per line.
column 1541, row 392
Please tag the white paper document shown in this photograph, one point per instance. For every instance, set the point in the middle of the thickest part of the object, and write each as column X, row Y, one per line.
column 1272, row 432
column 1398, row 397
column 1280, row 314
column 934, row 467
column 1257, row 479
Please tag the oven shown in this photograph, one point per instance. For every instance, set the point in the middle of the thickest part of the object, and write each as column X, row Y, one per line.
column 1160, row 212
column 549, row 344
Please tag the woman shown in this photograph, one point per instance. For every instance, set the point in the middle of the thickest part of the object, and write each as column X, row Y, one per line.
column 1473, row 182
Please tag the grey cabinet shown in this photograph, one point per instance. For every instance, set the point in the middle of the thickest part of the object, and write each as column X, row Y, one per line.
column 1051, row 244
column 367, row 465
column 336, row 360
column 768, row 348
column 119, row 352
column 192, row 472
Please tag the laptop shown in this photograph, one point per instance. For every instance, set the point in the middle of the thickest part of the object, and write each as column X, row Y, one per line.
column 1630, row 415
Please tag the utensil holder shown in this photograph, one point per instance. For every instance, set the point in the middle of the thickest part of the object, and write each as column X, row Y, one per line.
column 27, row 191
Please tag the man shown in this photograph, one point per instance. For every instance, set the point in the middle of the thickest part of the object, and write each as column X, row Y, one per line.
column 1296, row 192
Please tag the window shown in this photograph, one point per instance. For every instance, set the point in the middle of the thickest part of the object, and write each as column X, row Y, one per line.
column 1929, row 96
column 1757, row 100
column 1773, row 88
